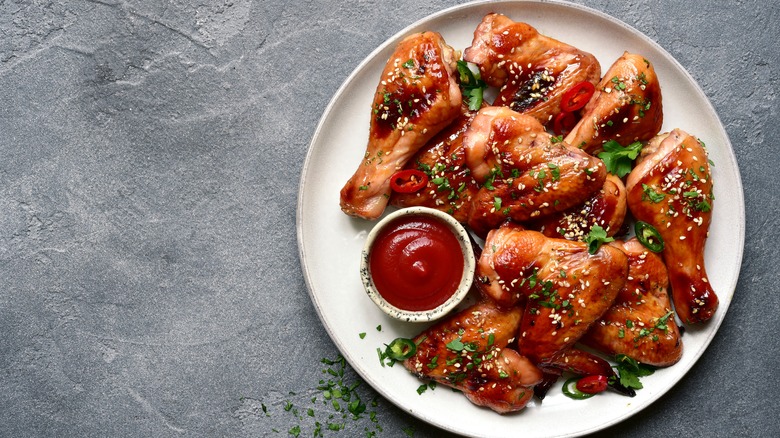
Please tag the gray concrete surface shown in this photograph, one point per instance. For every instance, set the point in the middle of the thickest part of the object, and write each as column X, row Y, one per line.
column 149, row 162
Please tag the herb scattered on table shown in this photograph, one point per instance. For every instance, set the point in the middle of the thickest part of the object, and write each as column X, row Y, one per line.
column 335, row 402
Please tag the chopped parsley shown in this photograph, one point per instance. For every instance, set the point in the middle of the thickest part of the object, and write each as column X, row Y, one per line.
column 649, row 194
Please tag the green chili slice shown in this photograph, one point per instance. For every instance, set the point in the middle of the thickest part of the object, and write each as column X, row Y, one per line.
column 649, row 236
column 570, row 390
column 401, row 349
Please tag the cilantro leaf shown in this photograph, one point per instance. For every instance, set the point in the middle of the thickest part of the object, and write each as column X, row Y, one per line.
column 629, row 371
column 619, row 159
column 471, row 85
column 596, row 238
column 455, row 345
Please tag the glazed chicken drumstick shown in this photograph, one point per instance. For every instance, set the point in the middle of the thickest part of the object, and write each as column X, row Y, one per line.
column 417, row 97
column 626, row 106
column 671, row 189
column 532, row 71
column 640, row 323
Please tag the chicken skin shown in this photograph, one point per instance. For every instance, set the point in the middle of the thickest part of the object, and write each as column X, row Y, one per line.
column 468, row 351
column 626, row 106
column 450, row 184
column 524, row 174
column 567, row 289
column 417, row 97
column 532, row 71
column 606, row 208
column 671, row 189
column 640, row 324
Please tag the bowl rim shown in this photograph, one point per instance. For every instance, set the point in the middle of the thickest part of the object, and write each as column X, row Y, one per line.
column 464, row 286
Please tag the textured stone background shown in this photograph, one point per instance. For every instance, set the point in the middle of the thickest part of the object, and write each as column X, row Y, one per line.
column 149, row 162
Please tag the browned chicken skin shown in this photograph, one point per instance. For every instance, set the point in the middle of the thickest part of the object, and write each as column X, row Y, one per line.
column 417, row 97
column 640, row 323
column 468, row 351
column 523, row 173
column 533, row 71
column 562, row 288
column 606, row 208
column 626, row 106
column 671, row 189
column 450, row 184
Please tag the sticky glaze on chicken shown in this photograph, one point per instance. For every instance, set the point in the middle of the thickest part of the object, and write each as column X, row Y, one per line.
column 567, row 289
column 640, row 323
column 468, row 351
column 523, row 173
column 626, row 106
column 532, row 71
column 417, row 97
column 563, row 290
column 606, row 208
column 671, row 189
column 450, row 184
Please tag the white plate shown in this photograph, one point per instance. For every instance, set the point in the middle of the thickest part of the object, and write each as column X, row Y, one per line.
column 330, row 242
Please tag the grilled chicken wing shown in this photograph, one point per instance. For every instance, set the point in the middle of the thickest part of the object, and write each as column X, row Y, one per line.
column 563, row 290
column 417, row 97
column 671, row 189
column 523, row 173
column 533, row 71
column 640, row 323
column 468, row 351
column 566, row 288
column 626, row 106
column 606, row 208
column 450, row 184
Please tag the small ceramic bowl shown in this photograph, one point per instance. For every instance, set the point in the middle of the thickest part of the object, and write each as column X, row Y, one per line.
column 466, row 280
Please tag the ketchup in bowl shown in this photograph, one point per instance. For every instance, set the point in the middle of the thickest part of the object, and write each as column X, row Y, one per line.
column 418, row 264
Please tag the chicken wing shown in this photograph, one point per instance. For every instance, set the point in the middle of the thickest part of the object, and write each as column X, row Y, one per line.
column 566, row 288
column 524, row 174
column 606, row 208
column 626, row 106
column 417, row 97
column 671, row 189
column 640, row 323
column 533, row 71
column 468, row 351
column 450, row 184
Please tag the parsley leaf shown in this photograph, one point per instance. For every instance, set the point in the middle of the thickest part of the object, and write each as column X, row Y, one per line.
column 629, row 371
column 619, row 159
column 455, row 345
column 471, row 85
column 596, row 238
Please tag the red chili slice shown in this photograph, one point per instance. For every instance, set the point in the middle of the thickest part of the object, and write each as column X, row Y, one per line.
column 592, row 384
column 408, row 181
column 577, row 97
column 563, row 123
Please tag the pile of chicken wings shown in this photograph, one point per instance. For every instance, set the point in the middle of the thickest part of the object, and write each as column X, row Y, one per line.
column 534, row 197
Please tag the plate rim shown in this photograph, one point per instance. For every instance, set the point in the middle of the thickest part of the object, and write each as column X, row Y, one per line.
column 369, row 58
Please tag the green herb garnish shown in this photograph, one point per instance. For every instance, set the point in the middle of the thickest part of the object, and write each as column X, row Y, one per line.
column 619, row 159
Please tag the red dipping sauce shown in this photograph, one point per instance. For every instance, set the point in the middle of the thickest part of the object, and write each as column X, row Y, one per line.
column 416, row 263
